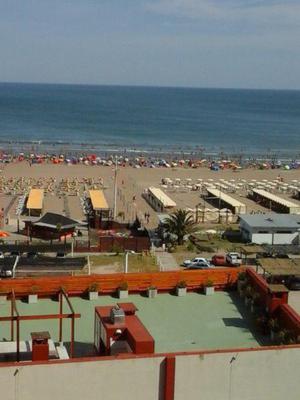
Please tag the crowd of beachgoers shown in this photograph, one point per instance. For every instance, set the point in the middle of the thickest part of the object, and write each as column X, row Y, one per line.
column 52, row 185
column 147, row 161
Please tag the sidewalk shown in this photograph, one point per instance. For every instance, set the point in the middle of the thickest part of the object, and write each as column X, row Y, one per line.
column 166, row 261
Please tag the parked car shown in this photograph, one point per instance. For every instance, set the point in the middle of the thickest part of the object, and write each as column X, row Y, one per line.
column 32, row 254
column 196, row 260
column 293, row 283
column 234, row 259
column 1, row 254
column 199, row 265
column 6, row 273
column 15, row 253
column 60, row 255
column 219, row 260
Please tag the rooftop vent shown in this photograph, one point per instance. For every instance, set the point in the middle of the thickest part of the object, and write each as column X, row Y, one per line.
column 117, row 315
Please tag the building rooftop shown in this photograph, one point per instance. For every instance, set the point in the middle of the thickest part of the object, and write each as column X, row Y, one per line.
column 35, row 199
column 52, row 220
column 165, row 200
column 228, row 199
column 192, row 322
column 98, row 200
column 272, row 220
column 277, row 199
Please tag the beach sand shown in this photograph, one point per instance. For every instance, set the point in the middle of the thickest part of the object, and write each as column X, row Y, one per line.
column 133, row 181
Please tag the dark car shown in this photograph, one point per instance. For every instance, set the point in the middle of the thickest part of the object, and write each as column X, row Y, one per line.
column 293, row 283
column 15, row 253
column 32, row 254
column 60, row 254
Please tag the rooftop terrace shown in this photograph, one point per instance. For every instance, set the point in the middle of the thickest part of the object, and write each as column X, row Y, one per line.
column 193, row 322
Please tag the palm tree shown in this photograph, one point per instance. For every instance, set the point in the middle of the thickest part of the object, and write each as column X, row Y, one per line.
column 180, row 223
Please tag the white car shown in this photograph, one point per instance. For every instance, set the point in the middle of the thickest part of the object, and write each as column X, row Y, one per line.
column 1, row 254
column 197, row 262
column 234, row 259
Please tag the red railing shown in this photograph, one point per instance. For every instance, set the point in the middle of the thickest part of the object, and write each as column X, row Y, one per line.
column 109, row 283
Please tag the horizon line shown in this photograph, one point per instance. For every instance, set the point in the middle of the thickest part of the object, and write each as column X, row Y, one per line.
column 144, row 86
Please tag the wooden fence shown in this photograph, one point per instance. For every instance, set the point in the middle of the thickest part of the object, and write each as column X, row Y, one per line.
column 109, row 283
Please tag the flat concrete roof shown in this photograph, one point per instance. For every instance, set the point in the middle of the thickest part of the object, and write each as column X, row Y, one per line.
column 192, row 322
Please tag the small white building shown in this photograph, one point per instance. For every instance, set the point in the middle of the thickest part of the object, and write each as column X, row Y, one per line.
column 270, row 228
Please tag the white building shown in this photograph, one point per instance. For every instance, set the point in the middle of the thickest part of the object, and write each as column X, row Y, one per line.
column 271, row 228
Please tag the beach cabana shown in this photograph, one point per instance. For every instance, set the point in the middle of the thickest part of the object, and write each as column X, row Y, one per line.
column 159, row 200
column 274, row 202
column 100, row 208
column 224, row 200
column 35, row 202
column 51, row 226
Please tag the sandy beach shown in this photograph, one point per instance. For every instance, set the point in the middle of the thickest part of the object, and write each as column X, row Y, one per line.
column 131, row 184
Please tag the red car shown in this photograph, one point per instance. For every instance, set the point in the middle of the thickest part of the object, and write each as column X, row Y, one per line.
column 219, row 260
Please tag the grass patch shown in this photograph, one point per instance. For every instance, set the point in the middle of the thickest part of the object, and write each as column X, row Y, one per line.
column 136, row 262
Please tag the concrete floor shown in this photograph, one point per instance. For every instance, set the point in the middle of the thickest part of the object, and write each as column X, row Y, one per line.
column 185, row 323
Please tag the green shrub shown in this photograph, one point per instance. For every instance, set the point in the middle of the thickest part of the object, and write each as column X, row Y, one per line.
column 190, row 246
column 93, row 287
column 116, row 249
column 181, row 284
column 123, row 286
column 242, row 276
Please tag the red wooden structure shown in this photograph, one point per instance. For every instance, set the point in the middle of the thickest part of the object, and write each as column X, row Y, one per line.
column 40, row 346
column 109, row 283
column 125, row 328
column 15, row 317
column 271, row 296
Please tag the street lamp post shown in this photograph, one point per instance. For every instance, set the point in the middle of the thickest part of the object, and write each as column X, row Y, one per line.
column 127, row 252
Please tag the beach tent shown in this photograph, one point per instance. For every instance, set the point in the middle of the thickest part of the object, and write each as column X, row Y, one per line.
column 4, row 234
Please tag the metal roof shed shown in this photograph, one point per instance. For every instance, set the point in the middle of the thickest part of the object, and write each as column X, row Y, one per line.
column 286, row 205
column 235, row 205
column 161, row 197
column 35, row 201
column 98, row 200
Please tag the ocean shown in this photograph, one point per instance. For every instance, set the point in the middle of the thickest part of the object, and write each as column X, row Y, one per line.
column 153, row 119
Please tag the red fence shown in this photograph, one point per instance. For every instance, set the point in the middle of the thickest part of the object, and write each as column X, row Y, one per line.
column 109, row 244
column 275, row 303
column 288, row 318
column 108, row 284
column 260, row 286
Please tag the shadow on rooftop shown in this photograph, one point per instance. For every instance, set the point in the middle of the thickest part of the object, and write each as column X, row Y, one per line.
column 82, row 349
column 248, row 320
column 236, row 323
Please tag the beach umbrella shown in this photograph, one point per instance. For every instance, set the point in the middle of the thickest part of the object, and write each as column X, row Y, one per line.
column 4, row 234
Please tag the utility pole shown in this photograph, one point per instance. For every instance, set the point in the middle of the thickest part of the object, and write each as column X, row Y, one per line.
column 115, row 188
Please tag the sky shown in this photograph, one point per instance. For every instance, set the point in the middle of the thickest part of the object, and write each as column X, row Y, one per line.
column 194, row 43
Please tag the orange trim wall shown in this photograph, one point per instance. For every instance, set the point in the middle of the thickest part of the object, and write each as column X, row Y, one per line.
column 109, row 283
